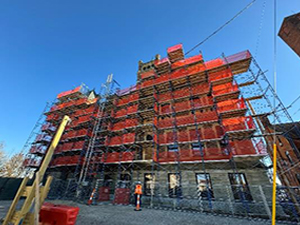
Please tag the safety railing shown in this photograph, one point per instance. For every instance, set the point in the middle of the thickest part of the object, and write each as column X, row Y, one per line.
column 43, row 138
column 32, row 162
column 86, row 111
column 114, row 157
column 80, row 90
column 38, row 149
column 65, row 161
column 194, row 155
column 127, row 138
column 48, row 127
column 191, row 135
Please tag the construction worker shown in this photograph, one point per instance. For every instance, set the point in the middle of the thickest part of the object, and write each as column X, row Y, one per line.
column 138, row 196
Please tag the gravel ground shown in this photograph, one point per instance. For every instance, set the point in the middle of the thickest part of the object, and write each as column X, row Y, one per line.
column 113, row 215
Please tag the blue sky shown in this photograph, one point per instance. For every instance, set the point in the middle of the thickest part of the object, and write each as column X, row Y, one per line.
column 47, row 47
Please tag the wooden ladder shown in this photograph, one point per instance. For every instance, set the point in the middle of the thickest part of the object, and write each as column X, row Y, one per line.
column 35, row 194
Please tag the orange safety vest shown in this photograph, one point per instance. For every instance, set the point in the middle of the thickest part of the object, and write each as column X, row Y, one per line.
column 138, row 189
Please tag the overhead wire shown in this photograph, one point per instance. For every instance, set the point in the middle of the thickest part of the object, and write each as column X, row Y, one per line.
column 221, row 27
column 260, row 27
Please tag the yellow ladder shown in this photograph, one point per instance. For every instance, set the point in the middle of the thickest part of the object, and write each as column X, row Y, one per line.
column 35, row 194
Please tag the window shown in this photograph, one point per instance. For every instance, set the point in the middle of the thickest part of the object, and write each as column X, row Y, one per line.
column 149, row 137
column 204, row 187
column 174, row 185
column 239, row 186
column 196, row 146
column 124, row 181
column 173, row 148
column 149, row 183
column 280, row 142
column 289, row 157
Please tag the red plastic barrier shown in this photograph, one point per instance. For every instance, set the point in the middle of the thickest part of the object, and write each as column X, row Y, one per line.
column 38, row 149
column 224, row 89
column 195, row 69
column 242, row 147
column 165, row 109
column 230, row 105
column 52, row 117
column 132, row 109
column 88, row 110
column 164, row 97
column 117, row 140
column 65, row 93
column 76, row 133
column 118, row 126
column 66, row 161
column 43, row 138
column 147, row 83
column 178, row 73
column 48, row 127
column 133, row 97
column 184, row 120
column 174, row 48
column 69, row 146
column 163, row 123
column 122, row 196
column 131, row 122
column 181, row 106
column 206, row 116
column 200, row 89
column 240, row 123
column 122, row 101
column 181, row 93
column 128, row 138
column 32, row 162
column 214, row 63
column 51, row 214
column 220, row 75
column 194, row 155
column 147, row 74
column 183, row 136
column 120, row 113
column 162, row 79
column 185, row 62
column 81, row 120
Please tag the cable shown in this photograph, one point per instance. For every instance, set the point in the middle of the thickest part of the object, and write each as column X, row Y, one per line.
column 221, row 27
column 260, row 27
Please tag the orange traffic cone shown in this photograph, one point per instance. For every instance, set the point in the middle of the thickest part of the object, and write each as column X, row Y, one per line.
column 91, row 197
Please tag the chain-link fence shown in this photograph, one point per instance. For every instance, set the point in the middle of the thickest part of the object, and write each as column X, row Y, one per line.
column 237, row 200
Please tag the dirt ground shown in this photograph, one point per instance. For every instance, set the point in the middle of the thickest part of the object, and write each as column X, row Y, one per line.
column 108, row 214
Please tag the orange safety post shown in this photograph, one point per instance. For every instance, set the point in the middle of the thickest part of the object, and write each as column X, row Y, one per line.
column 138, row 192
column 91, row 197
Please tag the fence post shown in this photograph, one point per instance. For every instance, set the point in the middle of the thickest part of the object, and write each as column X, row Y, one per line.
column 263, row 197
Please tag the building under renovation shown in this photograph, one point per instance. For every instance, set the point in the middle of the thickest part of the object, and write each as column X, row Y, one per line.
column 189, row 130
